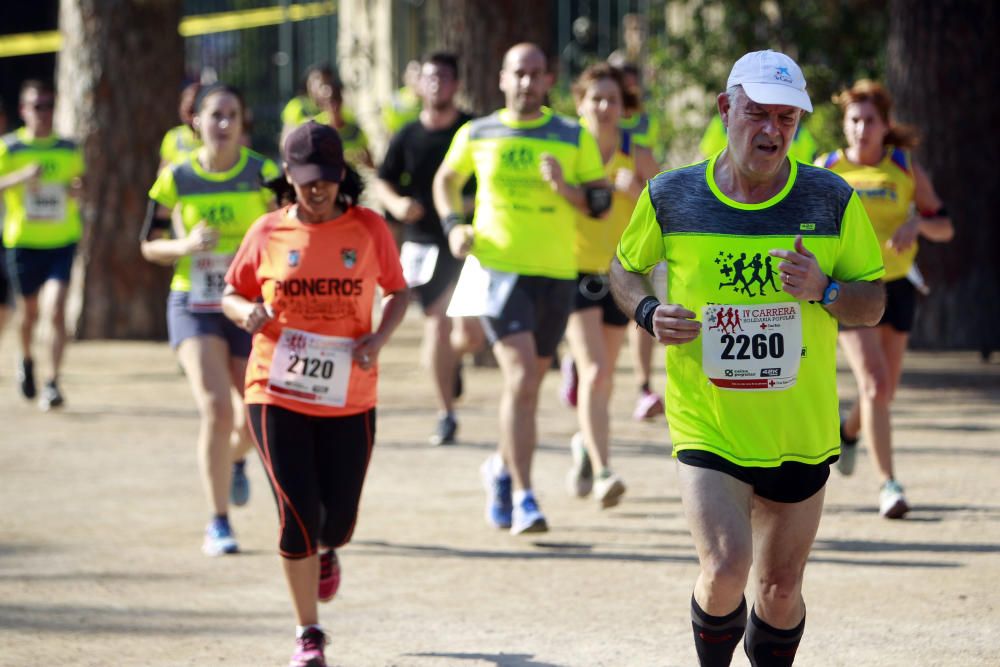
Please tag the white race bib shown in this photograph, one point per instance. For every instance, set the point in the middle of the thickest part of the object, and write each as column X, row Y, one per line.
column 480, row 291
column 311, row 368
column 419, row 261
column 45, row 202
column 208, row 281
column 752, row 347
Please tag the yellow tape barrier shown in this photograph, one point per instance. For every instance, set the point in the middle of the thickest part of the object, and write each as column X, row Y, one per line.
column 33, row 43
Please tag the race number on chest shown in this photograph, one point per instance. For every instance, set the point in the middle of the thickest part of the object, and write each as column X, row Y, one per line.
column 208, row 281
column 752, row 347
column 46, row 202
column 311, row 368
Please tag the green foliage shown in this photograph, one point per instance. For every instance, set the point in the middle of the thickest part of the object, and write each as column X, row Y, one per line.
column 834, row 41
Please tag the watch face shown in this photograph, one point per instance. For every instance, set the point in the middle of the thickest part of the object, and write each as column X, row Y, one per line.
column 832, row 293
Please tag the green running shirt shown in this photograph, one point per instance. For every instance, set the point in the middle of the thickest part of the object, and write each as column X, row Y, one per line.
column 716, row 250
column 45, row 216
column 231, row 200
column 521, row 225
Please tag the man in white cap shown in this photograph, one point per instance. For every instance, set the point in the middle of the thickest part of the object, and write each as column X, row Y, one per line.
column 765, row 255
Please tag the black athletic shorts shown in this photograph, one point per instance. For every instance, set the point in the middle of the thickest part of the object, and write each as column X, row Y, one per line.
column 5, row 291
column 593, row 290
column 791, row 482
column 446, row 271
column 900, row 305
column 536, row 304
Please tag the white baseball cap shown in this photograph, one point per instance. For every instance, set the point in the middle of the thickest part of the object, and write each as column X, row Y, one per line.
column 769, row 77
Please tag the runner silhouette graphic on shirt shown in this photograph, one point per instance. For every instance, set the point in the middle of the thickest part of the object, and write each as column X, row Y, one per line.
column 739, row 266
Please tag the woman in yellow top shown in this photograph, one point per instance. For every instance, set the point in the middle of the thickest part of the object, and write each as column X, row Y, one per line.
column 200, row 209
column 596, row 326
column 902, row 204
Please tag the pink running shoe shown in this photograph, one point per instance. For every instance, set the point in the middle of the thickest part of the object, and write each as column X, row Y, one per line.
column 648, row 406
column 329, row 575
column 567, row 389
column 309, row 649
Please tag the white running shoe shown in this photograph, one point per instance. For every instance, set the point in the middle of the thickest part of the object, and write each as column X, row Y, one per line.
column 527, row 518
column 609, row 489
column 580, row 478
column 891, row 501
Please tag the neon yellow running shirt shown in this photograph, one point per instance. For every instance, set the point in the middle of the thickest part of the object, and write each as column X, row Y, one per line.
column 231, row 200
column 716, row 251
column 521, row 225
column 596, row 238
column 177, row 143
column 41, row 215
column 886, row 190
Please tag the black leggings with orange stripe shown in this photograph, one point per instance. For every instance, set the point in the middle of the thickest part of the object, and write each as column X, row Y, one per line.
column 317, row 467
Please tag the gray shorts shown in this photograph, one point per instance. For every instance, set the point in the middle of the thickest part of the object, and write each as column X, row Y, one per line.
column 183, row 324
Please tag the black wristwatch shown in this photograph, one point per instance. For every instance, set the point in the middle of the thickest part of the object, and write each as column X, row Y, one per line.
column 831, row 292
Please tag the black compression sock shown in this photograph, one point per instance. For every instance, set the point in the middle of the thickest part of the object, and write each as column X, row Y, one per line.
column 644, row 388
column 716, row 637
column 767, row 646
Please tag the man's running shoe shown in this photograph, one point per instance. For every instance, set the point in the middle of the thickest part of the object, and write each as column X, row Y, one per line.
column 580, row 478
column 309, row 649
column 891, row 501
column 239, row 487
column 609, row 489
column 499, row 506
column 329, row 575
column 570, row 382
column 219, row 538
column 527, row 517
column 648, row 406
column 447, row 427
column 848, row 453
column 51, row 396
column 26, row 378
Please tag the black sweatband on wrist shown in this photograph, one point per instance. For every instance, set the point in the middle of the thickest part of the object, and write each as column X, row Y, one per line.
column 598, row 200
column 644, row 313
column 451, row 221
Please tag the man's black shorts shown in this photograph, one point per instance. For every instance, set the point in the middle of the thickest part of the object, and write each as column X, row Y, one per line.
column 536, row 304
column 791, row 482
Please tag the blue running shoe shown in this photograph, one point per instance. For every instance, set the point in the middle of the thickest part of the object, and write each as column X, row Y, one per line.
column 219, row 538
column 528, row 518
column 498, row 494
column 239, row 487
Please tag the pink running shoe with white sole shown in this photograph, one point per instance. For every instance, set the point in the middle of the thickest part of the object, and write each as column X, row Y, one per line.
column 329, row 575
column 309, row 649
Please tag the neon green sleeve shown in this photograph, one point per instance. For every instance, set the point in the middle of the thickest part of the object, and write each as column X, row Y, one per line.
column 641, row 245
column 77, row 165
column 589, row 166
column 5, row 163
column 714, row 139
column 268, row 172
column 164, row 190
column 459, row 155
column 860, row 257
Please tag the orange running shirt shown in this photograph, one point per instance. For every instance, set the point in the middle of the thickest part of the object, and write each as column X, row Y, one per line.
column 319, row 278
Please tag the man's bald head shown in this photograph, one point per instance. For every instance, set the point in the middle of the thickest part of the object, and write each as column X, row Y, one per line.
column 524, row 79
column 525, row 51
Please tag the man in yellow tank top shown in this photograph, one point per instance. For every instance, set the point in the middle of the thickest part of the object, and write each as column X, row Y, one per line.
column 40, row 176
column 765, row 255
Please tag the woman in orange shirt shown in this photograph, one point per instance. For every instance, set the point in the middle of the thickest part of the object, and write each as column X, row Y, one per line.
column 304, row 283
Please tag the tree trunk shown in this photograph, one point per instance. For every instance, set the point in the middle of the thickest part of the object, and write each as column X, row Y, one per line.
column 481, row 31
column 119, row 75
column 942, row 57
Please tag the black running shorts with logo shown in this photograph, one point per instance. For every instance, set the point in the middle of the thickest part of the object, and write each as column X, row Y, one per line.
column 537, row 304
column 791, row 482
column 593, row 290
